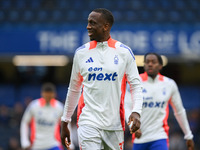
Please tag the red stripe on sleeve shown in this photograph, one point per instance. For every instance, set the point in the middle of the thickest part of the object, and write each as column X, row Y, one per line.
column 122, row 111
column 81, row 104
column 133, row 137
column 165, row 124
column 32, row 130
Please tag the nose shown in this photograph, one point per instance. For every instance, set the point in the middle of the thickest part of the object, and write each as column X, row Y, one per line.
column 88, row 26
column 150, row 64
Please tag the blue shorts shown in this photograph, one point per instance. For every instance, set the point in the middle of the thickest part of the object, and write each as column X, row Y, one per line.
column 154, row 145
column 55, row 148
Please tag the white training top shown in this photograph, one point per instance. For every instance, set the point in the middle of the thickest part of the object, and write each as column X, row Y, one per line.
column 44, row 122
column 157, row 94
column 102, row 69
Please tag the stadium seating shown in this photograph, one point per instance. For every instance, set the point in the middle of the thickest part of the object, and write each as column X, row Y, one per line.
column 7, row 94
column 127, row 11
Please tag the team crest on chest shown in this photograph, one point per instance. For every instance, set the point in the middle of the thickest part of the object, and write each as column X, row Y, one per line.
column 116, row 59
column 164, row 91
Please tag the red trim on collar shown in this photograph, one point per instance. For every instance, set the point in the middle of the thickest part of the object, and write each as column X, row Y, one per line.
column 144, row 76
column 93, row 45
column 111, row 42
column 42, row 102
column 161, row 77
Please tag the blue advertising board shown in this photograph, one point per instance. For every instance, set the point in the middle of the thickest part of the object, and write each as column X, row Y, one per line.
column 167, row 41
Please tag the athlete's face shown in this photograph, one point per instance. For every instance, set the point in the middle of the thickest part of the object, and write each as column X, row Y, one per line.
column 152, row 65
column 97, row 27
column 48, row 95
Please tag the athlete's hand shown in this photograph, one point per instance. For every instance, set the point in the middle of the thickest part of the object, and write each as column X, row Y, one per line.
column 138, row 133
column 190, row 144
column 65, row 134
column 134, row 119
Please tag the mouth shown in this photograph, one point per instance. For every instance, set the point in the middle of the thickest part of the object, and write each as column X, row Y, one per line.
column 90, row 33
column 150, row 70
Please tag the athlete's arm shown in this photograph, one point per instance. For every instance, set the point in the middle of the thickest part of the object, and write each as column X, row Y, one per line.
column 71, row 146
column 71, row 102
column 136, row 92
column 24, row 128
column 180, row 115
column 128, row 109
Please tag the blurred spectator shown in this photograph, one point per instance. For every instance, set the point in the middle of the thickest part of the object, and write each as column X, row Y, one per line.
column 16, row 115
column 13, row 144
column 176, row 142
column 27, row 100
column 4, row 116
column 194, row 120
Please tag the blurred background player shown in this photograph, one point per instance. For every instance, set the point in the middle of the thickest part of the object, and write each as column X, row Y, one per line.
column 158, row 92
column 43, row 117
column 102, row 68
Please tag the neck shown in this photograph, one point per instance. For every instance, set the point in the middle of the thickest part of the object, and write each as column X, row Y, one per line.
column 47, row 101
column 105, row 38
column 153, row 76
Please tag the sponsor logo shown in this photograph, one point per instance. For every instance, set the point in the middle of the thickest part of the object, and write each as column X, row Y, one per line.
column 94, row 69
column 90, row 60
column 102, row 77
column 147, row 98
column 153, row 104
column 44, row 122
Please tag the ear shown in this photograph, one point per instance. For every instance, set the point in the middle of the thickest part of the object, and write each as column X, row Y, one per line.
column 106, row 27
column 160, row 67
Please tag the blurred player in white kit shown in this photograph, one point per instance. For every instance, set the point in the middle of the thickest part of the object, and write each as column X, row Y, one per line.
column 159, row 91
column 101, row 68
column 42, row 118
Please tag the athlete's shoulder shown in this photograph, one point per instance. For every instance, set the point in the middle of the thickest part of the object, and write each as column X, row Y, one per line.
column 169, row 81
column 59, row 104
column 122, row 46
column 124, row 49
column 34, row 102
column 33, row 105
column 82, row 48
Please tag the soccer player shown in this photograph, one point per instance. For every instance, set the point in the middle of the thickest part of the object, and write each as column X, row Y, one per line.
column 43, row 117
column 101, row 67
column 159, row 91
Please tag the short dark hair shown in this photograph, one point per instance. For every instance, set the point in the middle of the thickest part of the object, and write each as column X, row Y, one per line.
column 107, row 15
column 157, row 55
column 48, row 87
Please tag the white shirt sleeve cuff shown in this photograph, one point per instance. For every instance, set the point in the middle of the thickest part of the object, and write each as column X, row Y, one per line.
column 65, row 119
